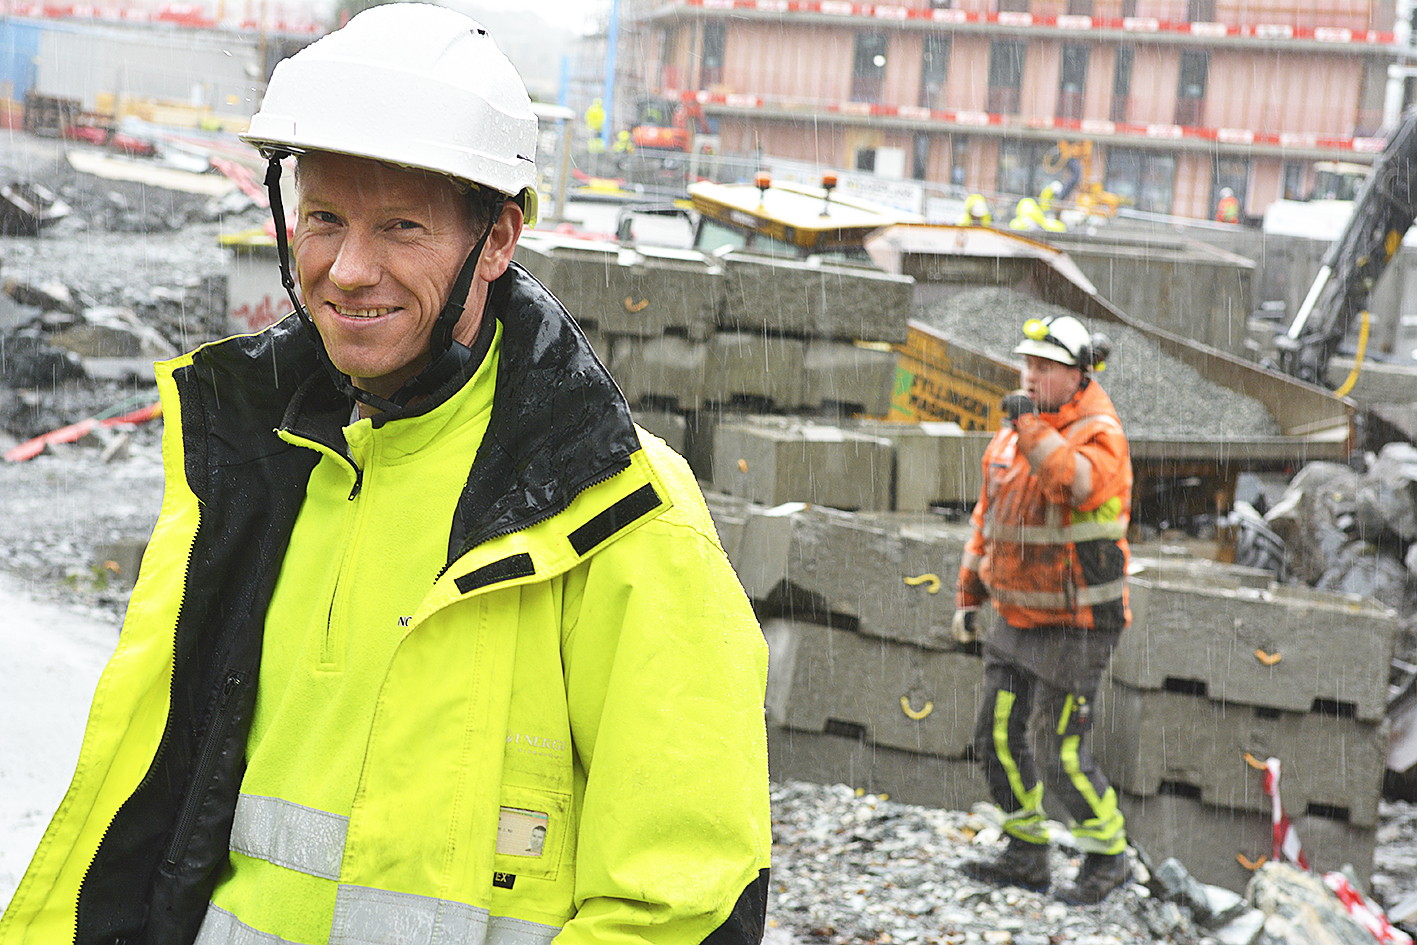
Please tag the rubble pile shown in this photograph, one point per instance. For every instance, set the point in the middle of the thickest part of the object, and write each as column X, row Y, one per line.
column 1355, row 532
column 1155, row 394
column 851, row 868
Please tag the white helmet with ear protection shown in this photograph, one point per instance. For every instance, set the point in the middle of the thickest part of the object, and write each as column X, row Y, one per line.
column 411, row 84
column 1066, row 340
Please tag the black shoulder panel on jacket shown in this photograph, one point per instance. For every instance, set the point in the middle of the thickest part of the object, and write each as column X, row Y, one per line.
column 744, row 925
column 559, row 423
column 160, row 860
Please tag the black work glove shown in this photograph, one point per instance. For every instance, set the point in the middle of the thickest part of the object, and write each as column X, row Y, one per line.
column 1016, row 405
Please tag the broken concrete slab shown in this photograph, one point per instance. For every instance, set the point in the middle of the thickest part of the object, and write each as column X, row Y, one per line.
column 110, row 332
column 937, row 465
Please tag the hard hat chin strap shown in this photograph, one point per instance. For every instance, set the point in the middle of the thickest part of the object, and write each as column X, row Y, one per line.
column 446, row 356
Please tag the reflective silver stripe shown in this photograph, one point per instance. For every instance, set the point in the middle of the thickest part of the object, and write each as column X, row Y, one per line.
column 1082, row 478
column 971, row 562
column 1051, row 442
column 220, row 927
column 290, row 835
column 365, row 916
column 1059, row 535
column 1057, row 600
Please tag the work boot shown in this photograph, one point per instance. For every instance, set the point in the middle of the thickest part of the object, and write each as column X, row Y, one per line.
column 1021, row 864
column 1100, row 874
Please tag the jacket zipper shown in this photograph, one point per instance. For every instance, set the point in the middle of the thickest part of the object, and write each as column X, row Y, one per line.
column 171, row 698
column 206, row 761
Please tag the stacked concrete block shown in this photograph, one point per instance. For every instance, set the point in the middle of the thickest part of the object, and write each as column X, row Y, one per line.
column 1222, row 845
column 812, row 300
column 665, row 424
column 889, row 577
column 730, row 517
column 772, row 461
column 667, row 371
column 1214, row 669
column 849, row 377
column 937, row 465
column 755, row 370
column 625, row 291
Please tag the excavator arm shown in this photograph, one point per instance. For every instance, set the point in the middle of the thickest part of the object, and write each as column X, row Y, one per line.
column 1382, row 214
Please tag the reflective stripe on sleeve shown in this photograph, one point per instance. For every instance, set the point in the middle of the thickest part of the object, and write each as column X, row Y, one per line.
column 1077, row 532
column 290, row 835
column 365, row 916
column 1058, row 600
column 971, row 562
column 220, row 927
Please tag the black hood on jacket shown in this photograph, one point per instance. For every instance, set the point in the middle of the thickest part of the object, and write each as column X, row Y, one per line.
column 559, row 424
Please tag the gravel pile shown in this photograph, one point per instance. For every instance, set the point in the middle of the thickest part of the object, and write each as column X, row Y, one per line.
column 1155, row 394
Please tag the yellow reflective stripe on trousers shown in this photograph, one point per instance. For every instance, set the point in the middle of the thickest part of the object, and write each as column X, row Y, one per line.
column 365, row 916
column 1026, row 823
column 296, row 837
column 1060, row 600
column 1077, row 532
column 1103, row 832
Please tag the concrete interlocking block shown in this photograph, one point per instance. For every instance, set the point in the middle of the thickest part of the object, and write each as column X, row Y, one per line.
column 850, row 376
column 665, row 424
column 902, row 776
column 1284, row 647
column 665, row 370
column 730, row 515
column 937, row 465
column 813, row 300
column 1211, row 841
column 756, row 369
column 626, row 291
column 1149, row 741
column 891, row 694
column 771, row 463
column 893, row 580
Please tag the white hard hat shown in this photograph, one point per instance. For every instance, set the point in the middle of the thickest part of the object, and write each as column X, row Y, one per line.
column 1060, row 338
column 411, row 84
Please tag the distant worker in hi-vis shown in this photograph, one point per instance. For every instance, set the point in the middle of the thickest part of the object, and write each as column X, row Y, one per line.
column 1049, row 551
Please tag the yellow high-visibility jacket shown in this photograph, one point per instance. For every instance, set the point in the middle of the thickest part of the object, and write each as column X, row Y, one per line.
column 586, row 612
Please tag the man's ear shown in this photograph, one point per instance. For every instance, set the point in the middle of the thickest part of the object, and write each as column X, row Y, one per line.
column 498, row 251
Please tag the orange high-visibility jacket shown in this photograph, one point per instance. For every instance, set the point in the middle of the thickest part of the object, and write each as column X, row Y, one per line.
column 1049, row 544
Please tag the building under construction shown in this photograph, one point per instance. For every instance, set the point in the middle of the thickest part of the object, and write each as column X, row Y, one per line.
column 1175, row 99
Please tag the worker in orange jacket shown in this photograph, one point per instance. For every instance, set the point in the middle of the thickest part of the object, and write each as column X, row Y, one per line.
column 1049, row 550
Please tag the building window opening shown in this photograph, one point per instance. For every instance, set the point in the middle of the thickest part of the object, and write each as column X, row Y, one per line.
column 1190, row 93
column 959, row 159
column 1147, row 180
column 1122, row 84
column 1080, row 7
column 920, row 159
column 1072, row 80
column 934, row 65
column 712, row 69
column 1021, row 170
column 1200, row 11
column 1294, row 176
column 1005, row 77
column 869, row 69
column 1013, row 6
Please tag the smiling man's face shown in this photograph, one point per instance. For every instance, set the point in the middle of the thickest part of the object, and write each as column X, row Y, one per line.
column 377, row 250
